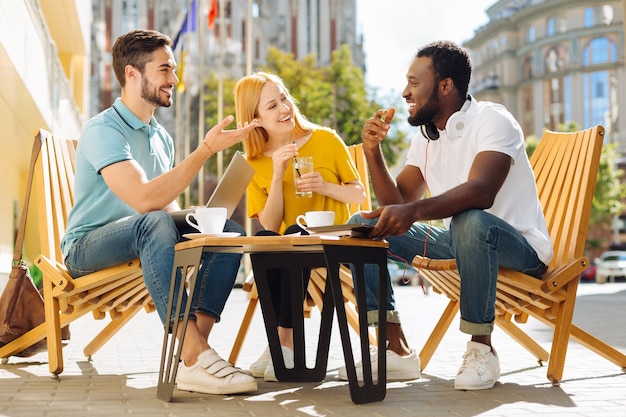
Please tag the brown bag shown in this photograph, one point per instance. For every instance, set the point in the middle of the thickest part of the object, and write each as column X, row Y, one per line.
column 21, row 303
column 21, row 309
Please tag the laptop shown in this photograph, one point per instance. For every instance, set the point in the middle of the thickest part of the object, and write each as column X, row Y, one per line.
column 228, row 193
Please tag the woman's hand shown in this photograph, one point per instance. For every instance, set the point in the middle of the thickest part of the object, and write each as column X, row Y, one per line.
column 281, row 158
column 312, row 181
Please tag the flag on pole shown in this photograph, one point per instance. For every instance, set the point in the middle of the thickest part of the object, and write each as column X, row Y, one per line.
column 189, row 24
column 180, row 87
column 213, row 14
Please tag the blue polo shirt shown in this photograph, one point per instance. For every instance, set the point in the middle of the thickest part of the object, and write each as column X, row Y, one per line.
column 115, row 135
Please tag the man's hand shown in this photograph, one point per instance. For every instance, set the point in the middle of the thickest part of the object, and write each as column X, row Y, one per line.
column 393, row 220
column 376, row 127
column 218, row 139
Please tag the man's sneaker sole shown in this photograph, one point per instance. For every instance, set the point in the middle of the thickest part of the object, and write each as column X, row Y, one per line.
column 224, row 389
column 460, row 387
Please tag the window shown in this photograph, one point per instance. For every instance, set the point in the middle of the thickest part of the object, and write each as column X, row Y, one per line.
column 589, row 17
column 527, row 69
column 556, row 93
column 596, row 100
column 530, row 34
column 599, row 51
column 551, row 27
column 598, row 88
column 567, row 98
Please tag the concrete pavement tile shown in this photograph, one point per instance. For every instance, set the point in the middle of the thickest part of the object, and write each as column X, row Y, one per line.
column 121, row 378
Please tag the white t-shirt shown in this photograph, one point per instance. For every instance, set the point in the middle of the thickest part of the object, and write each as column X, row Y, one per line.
column 487, row 127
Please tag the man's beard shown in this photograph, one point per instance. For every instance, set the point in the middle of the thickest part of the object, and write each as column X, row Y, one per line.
column 151, row 95
column 427, row 113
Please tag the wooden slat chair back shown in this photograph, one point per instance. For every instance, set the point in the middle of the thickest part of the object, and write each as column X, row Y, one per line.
column 565, row 167
column 358, row 157
column 119, row 290
column 317, row 282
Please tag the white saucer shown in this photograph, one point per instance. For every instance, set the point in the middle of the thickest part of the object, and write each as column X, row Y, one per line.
column 199, row 235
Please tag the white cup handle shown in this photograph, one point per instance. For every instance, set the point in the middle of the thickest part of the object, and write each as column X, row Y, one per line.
column 190, row 222
column 299, row 219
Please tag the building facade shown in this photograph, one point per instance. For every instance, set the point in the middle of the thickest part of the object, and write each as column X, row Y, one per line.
column 44, row 53
column 553, row 62
column 299, row 27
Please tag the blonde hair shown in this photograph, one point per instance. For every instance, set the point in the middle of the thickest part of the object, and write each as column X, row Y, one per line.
column 247, row 96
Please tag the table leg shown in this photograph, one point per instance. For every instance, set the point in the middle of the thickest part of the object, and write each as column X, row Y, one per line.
column 187, row 263
column 357, row 257
column 295, row 263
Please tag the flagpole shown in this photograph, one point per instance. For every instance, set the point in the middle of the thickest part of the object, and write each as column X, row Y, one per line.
column 248, row 221
column 220, row 81
column 187, row 95
column 249, row 39
column 202, row 21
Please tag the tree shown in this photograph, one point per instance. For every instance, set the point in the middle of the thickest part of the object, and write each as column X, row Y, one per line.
column 609, row 191
column 334, row 96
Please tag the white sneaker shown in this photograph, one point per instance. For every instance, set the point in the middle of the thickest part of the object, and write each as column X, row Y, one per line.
column 269, row 374
column 258, row 367
column 480, row 369
column 399, row 368
column 213, row 375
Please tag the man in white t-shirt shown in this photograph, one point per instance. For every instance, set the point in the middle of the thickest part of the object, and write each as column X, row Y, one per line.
column 468, row 166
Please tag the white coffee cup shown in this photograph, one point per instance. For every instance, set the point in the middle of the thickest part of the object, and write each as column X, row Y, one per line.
column 316, row 219
column 209, row 220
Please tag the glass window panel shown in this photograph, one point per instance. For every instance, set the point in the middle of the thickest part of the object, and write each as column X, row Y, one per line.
column 589, row 17
column 551, row 26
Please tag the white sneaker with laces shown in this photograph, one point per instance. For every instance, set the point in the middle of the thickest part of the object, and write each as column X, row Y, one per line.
column 269, row 374
column 213, row 375
column 399, row 368
column 480, row 368
column 258, row 367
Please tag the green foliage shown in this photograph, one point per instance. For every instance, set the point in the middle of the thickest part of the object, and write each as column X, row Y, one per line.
column 36, row 274
column 211, row 112
column 610, row 190
column 333, row 96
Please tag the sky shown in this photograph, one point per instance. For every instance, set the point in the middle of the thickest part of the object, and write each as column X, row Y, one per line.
column 394, row 30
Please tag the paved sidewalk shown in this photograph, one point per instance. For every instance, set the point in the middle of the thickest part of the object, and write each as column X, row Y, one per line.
column 121, row 378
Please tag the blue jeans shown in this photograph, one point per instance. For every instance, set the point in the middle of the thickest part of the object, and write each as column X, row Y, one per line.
column 151, row 238
column 480, row 243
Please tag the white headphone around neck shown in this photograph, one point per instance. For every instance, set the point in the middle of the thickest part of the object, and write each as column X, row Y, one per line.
column 456, row 124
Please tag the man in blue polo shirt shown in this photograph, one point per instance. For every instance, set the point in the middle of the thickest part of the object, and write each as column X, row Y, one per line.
column 126, row 182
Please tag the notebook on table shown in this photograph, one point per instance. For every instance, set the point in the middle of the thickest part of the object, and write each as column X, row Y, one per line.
column 228, row 193
column 360, row 230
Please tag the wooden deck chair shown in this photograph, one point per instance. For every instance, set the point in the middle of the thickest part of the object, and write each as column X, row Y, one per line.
column 565, row 167
column 119, row 290
column 317, row 282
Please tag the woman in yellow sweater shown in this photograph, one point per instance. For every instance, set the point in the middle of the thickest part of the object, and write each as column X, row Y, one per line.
column 284, row 133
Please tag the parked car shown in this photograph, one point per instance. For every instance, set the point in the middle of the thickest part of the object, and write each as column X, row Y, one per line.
column 589, row 274
column 610, row 265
